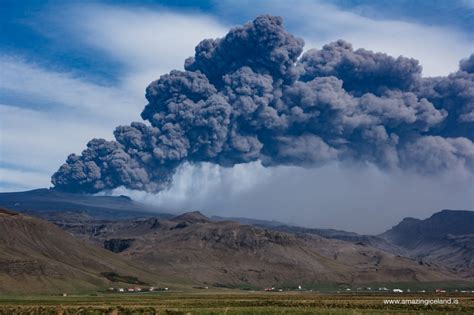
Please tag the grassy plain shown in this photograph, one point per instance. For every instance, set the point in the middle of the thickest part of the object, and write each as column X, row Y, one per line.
column 233, row 302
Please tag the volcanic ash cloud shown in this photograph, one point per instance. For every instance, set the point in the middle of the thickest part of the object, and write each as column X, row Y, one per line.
column 252, row 96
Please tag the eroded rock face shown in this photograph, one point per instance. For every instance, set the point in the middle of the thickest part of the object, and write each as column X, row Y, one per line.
column 246, row 237
column 118, row 245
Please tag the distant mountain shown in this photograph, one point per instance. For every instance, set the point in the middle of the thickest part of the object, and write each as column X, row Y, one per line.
column 191, row 247
column 191, row 217
column 53, row 204
column 447, row 238
column 249, row 221
column 38, row 257
column 410, row 232
column 372, row 240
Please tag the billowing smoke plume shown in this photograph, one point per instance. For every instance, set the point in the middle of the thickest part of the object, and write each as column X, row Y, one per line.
column 252, row 96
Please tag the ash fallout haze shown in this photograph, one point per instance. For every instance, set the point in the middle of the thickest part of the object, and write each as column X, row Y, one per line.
column 271, row 117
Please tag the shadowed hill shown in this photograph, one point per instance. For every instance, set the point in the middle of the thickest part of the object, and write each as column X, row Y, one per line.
column 38, row 257
column 50, row 203
column 447, row 237
column 410, row 231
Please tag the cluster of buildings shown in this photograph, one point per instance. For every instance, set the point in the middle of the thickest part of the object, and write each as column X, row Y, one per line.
column 396, row 290
column 273, row 289
column 136, row 289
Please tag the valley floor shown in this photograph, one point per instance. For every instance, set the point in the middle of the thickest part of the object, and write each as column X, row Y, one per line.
column 237, row 302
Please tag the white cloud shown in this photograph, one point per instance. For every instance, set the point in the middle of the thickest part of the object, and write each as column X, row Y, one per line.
column 12, row 180
column 27, row 80
column 149, row 43
column 42, row 141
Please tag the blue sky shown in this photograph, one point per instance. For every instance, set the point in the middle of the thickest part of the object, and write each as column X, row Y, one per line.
column 73, row 70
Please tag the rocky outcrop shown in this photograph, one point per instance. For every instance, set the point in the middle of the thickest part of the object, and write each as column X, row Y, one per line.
column 118, row 245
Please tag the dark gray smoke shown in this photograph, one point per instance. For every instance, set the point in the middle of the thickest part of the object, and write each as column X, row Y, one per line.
column 250, row 96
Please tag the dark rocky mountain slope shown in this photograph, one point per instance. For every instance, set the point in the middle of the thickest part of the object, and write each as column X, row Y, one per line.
column 447, row 238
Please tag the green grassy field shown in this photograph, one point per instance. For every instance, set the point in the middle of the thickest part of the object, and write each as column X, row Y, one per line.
column 233, row 302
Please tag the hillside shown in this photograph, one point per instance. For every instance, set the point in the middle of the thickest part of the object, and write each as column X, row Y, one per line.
column 38, row 257
column 410, row 231
column 226, row 253
column 447, row 237
column 369, row 240
column 192, row 249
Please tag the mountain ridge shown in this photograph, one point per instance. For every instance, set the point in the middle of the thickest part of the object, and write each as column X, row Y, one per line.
column 194, row 249
column 446, row 237
column 49, row 203
column 38, row 257
column 229, row 254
